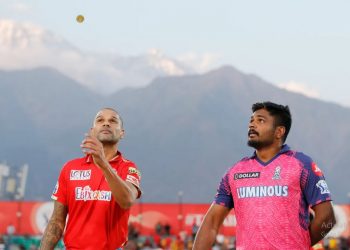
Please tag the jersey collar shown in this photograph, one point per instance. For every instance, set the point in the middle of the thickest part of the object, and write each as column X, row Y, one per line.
column 88, row 158
column 285, row 148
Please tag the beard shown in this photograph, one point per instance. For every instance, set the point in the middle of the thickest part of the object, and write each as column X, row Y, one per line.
column 108, row 139
column 259, row 144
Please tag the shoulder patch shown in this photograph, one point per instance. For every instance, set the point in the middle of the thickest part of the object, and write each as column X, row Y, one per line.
column 133, row 170
column 316, row 169
column 322, row 185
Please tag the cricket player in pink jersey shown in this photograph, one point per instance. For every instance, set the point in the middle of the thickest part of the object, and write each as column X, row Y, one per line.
column 271, row 191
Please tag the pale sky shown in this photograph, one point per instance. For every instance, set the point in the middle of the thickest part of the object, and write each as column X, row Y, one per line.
column 304, row 45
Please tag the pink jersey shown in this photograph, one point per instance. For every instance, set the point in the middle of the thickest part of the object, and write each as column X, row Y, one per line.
column 272, row 199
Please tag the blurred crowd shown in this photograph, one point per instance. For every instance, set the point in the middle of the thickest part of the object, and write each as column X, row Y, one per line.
column 161, row 239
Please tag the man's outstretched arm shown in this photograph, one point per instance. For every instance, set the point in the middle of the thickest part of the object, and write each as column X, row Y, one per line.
column 210, row 227
column 55, row 227
column 323, row 222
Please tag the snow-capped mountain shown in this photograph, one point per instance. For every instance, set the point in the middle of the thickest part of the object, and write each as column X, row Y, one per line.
column 24, row 36
column 25, row 46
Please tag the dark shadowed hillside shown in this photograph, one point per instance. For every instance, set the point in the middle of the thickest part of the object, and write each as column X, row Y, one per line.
column 183, row 132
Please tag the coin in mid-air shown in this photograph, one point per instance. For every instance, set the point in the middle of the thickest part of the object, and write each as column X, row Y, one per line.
column 80, row 18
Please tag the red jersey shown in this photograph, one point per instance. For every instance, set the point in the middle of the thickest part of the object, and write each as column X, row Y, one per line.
column 95, row 220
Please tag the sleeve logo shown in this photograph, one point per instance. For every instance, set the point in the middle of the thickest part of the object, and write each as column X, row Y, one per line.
column 135, row 171
column 133, row 180
column 322, row 185
column 56, row 188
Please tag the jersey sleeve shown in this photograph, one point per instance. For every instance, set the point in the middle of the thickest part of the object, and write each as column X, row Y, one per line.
column 60, row 191
column 313, row 183
column 223, row 195
column 133, row 175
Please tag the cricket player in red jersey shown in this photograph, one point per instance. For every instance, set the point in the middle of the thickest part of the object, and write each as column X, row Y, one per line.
column 95, row 192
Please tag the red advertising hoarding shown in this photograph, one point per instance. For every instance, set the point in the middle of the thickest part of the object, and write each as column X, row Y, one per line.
column 31, row 217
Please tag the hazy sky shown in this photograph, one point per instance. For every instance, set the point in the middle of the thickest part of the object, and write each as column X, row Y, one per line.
column 305, row 44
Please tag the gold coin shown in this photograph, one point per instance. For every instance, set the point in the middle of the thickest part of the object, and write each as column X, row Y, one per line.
column 80, row 18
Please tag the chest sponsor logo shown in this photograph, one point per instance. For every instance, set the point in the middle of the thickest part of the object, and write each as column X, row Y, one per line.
column 86, row 194
column 80, row 175
column 322, row 185
column 262, row 191
column 238, row 176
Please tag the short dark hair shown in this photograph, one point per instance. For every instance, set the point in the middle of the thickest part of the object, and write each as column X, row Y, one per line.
column 279, row 112
column 115, row 111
